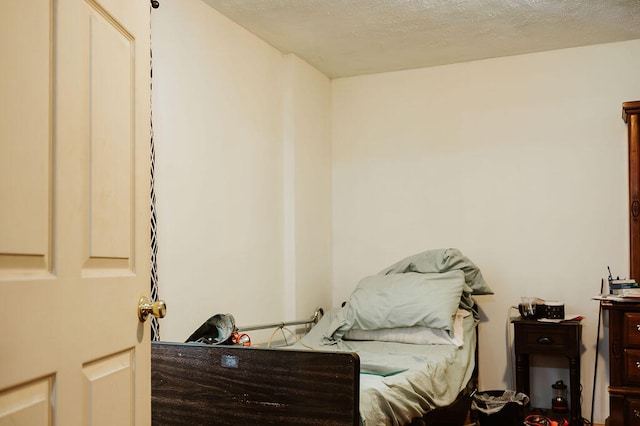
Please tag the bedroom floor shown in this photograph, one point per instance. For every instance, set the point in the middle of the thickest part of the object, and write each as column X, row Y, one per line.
column 469, row 422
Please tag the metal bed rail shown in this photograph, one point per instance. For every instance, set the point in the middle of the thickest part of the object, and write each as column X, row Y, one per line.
column 319, row 312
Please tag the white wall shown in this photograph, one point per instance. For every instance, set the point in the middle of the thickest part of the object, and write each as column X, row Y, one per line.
column 231, row 167
column 308, row 165
column 520, row 162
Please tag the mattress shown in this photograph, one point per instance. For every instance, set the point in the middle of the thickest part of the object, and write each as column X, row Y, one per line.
column 402, row 381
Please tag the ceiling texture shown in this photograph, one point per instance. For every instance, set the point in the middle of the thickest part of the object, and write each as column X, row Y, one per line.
column 344, row 38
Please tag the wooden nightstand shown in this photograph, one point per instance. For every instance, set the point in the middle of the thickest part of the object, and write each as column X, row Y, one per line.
column 563, row 339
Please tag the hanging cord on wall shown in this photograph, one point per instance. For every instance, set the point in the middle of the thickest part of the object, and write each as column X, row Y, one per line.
column 155, row 325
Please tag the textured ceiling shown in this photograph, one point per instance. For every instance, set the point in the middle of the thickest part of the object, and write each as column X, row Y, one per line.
column 344, row 38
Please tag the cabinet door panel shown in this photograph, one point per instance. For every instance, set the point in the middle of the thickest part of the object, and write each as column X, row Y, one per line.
column 632, row 366
column 632, row 412
column 632, row 330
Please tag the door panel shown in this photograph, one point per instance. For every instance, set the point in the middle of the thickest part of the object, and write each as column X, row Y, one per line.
column 28, row 404
column 74, row 239
column 101, row 377
column 111, row 101
column 26, row 111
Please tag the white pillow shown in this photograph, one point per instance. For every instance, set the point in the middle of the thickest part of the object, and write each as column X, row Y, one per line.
column 417, row 335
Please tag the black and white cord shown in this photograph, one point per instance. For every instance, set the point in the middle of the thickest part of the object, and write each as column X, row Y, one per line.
column 510, row 351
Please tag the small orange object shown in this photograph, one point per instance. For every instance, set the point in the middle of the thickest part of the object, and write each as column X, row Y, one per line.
column 240, row 339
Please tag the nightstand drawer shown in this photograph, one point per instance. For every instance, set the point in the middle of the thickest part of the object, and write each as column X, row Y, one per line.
column 631, row 332
column 632, row 366
column 547, row 338
column 632, row 412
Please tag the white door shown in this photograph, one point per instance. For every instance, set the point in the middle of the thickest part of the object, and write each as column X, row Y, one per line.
column 74, row 212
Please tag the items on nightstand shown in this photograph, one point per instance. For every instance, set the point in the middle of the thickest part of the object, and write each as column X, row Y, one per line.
column 559, row 401
column 531, row 308
column 527, row 307
column 553, row 310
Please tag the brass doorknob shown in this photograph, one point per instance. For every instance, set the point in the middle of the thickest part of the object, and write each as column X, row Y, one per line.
column 145, row 308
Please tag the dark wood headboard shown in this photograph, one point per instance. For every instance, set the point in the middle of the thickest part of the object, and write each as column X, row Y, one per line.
column 195, row 384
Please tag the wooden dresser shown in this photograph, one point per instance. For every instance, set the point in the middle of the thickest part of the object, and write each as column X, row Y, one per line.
column 624, row 363
column 624, row 318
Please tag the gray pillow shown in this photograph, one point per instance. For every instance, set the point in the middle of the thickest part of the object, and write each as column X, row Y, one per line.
column 443, row 260
column 400, row 300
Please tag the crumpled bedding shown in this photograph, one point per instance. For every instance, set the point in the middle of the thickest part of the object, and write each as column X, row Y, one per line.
column 444, row 260
column 401, row 381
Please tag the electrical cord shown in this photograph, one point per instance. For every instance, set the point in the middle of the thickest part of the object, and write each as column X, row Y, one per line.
column 510, row 353
column 595, row 368
column 283, row 329
column 584, row 420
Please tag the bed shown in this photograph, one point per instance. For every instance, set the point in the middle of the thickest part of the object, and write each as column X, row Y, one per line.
column 366, row 363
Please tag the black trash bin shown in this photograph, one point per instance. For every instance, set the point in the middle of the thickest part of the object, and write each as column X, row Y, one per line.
column 499, row 407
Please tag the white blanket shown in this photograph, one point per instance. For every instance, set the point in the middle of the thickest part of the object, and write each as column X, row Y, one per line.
column 428, row 376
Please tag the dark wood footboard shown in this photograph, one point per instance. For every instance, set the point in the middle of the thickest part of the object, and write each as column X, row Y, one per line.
column 194, row 384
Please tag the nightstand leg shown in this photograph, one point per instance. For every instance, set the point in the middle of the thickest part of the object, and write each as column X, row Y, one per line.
column 522, row 373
